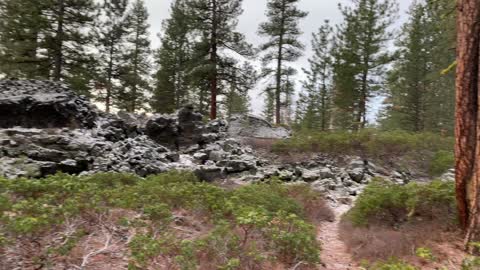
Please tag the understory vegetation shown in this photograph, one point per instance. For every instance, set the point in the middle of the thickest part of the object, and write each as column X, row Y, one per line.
column 390, row 220
column 429, row 152
column 168, row 221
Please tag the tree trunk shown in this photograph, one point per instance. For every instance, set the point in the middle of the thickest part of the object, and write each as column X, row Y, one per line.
column 278, row 89
column 108, row 96
column 467, row 129
column 58, row 57
column 213, row 60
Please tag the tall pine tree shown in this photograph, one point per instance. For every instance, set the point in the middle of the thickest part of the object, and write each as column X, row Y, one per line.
column 173, row 59
column 47, row 39
column 361, row 57
column 214, row 22
column 135, row 73
column 283, row 45
column 21, row 30
column 420, row 97
column 112, row 33
column 314, row 104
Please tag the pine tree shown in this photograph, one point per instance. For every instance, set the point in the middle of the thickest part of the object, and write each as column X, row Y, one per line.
column 111, row 40
column 48, row 39
column 240, row 81
column 420, row 97
column 21, row 29
column 287, row 91
column 269, row 108
column 283, row 45
column 314, row 105
column 173, row 57
column 361, row 57
column 135, row 73
column 441, row 114
column 214, row 22
column 68, row 36
column 408, row 82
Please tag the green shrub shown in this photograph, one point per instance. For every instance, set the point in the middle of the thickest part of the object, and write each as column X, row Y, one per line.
column 433, row 150
column 471, row 263
column 425, row 253
column 293, row 239
column 145, row 247
column 389, row 203
column 252, row 223
column 390, row 265
column 441, row 162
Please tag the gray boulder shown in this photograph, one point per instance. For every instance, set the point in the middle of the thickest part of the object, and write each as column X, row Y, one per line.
column 43, row 104
column 163, row 130
column 253, row 126
column 237, row 166
column 209, row 173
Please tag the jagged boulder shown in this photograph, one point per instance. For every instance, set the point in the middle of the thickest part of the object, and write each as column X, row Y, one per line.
column 43, row 104
column 256, row 127
column 182, row 130
column 163, row 129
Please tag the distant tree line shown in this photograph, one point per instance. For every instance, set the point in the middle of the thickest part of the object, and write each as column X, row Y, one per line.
column 102, row 49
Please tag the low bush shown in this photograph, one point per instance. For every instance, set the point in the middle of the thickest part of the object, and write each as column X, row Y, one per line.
column 432, row 152
column 400, row 220
column 441, row 162
column 390, row 265
column 246, row 228
column 386, row 203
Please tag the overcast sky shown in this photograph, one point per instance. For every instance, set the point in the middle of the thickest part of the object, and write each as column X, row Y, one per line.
column 254, row 14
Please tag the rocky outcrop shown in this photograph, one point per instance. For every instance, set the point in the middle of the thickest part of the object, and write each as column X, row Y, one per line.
column 45, row 128
column 252, row 126
column 42, row 104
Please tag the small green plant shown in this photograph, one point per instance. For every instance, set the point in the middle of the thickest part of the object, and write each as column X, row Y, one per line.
column 392, row 264
column 471, row 263
column 425, row 253
column 293, row 239
column 145, row 247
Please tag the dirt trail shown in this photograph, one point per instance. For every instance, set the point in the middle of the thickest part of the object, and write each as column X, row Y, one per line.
column 334, row 255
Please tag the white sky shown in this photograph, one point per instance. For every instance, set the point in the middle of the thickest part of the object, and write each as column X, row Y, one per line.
column 254, row 14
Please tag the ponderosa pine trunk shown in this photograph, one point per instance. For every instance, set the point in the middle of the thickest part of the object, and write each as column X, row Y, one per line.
column 467, row 129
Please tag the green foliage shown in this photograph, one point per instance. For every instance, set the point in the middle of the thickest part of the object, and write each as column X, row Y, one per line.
column 136, row 56
column 435, row 151
column 315, row 102
column 360, row 58
column 420, row 88
column 282, row 30
column 390, row 265
column 293, row 238
column 145, row 247
column 368, row 142
column 471, row 263
column 425, row 253
column 252, row 224
column 390, row 203
column 441, row 162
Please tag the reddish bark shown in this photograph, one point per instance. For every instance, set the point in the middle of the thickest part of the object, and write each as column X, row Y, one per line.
column 467, row 129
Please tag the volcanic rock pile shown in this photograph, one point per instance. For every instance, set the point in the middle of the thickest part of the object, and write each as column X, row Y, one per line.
column 46, row 128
